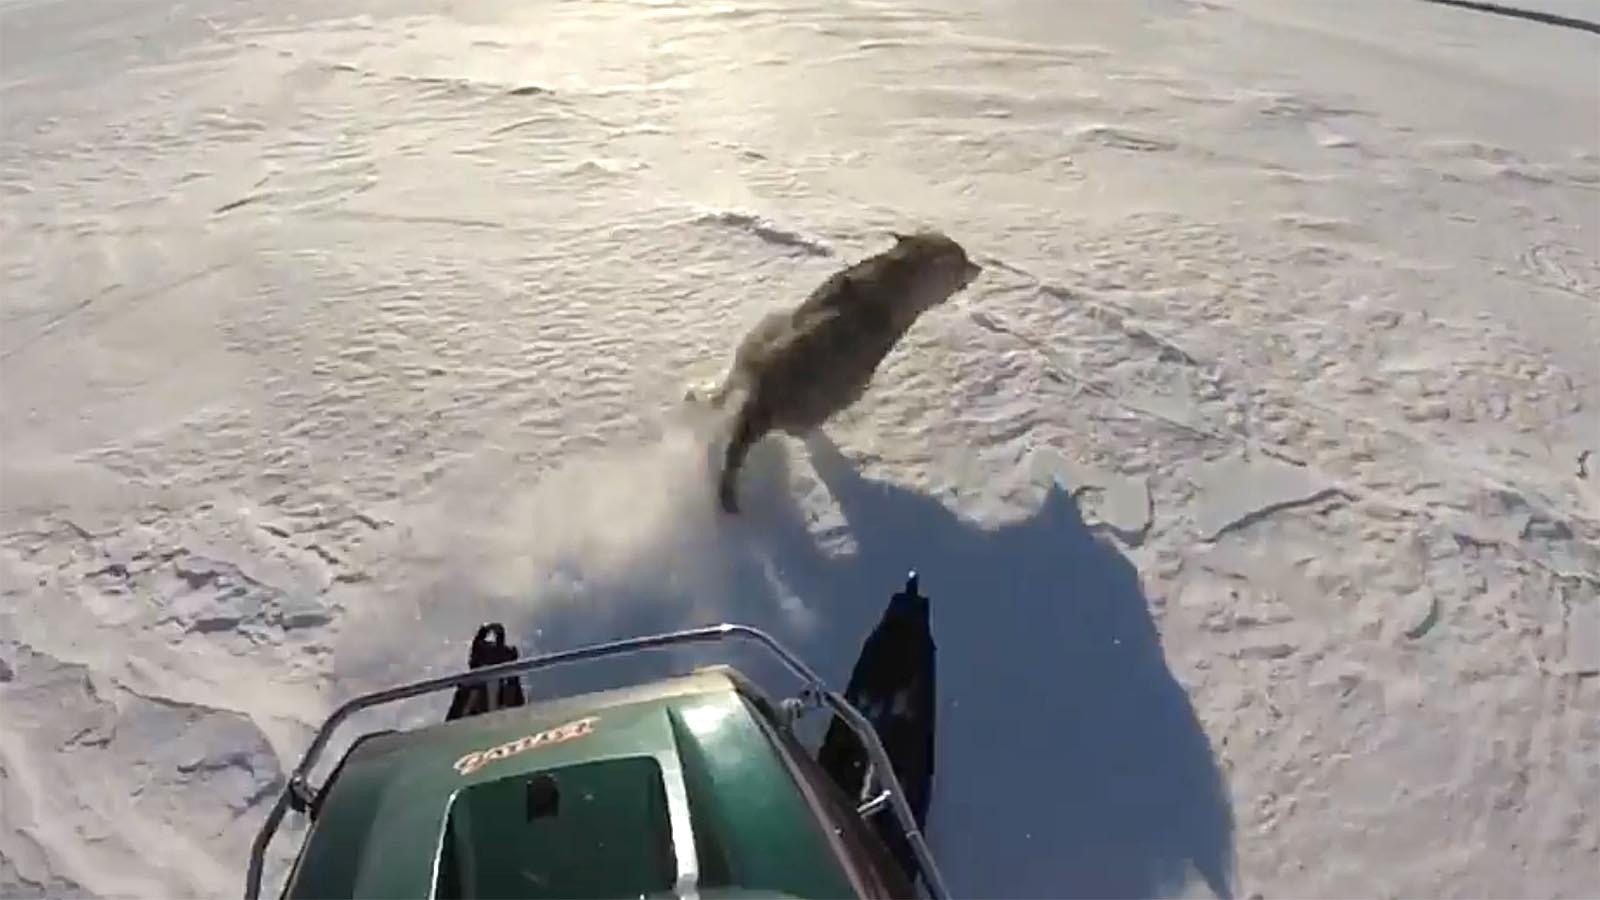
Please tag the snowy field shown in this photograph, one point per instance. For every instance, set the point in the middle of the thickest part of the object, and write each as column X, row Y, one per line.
column 1256, row 483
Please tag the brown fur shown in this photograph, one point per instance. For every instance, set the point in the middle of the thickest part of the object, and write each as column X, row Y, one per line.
column 796, row 369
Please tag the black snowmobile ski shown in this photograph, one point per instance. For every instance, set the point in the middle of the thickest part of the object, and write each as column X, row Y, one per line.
column 894, row 685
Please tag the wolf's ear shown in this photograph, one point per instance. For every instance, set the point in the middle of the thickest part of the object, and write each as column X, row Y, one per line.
column 899, row 238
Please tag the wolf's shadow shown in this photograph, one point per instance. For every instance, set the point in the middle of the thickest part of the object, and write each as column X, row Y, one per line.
column 1069, row 761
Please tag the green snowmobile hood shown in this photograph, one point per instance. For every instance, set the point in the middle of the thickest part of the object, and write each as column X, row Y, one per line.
column 620, row 793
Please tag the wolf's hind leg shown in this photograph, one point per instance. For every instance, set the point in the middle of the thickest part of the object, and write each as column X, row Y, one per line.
column 750, row 426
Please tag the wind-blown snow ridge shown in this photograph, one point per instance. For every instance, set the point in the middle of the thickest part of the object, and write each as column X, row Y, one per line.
column 765, row 230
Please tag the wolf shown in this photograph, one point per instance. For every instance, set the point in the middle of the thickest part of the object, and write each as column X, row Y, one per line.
column 798, row 368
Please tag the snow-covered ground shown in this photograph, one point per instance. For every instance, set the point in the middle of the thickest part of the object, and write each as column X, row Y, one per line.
column 1248, row 482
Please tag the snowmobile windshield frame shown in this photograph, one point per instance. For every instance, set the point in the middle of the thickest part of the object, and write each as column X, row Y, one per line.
column 297, row 791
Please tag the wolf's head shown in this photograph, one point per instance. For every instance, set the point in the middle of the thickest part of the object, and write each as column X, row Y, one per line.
column 935, row 266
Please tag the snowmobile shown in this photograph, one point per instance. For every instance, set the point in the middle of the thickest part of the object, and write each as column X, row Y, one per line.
column 695, row 785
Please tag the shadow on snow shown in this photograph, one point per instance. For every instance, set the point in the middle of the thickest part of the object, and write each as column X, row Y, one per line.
column 1069, row 761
